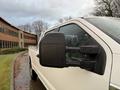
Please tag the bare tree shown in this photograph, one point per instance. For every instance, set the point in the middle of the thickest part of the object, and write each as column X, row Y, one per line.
column 116, row 8
column 39, row 26
column 26, row 27
column 107, row 8
column 61, row 20
column 35, row 27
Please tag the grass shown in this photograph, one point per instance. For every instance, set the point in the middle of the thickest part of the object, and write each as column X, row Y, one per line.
column 6, row 70
column 11, row 50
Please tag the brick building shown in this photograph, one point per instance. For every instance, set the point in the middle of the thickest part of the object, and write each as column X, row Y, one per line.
column 11, row 37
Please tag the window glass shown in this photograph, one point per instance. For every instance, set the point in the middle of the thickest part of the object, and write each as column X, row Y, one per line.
column 53, row 30
column 113, row 88
column 1, row 29
column 110, row 26
column 21, row 35
column 0, row 44
column 76, row 37
column 10, row 32
column 82, row 50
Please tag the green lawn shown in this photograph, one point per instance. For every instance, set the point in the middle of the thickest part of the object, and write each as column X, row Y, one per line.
column 5, row 70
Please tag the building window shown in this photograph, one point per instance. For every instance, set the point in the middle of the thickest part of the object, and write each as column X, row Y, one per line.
column 0, row 44
column 4, row 44
column 1, row 29
column 7, row 31
column 21, row 44
column 21, row 35
column 13, row 33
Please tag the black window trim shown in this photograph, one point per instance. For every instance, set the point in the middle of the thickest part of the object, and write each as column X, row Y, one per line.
column 70, row 24
column 54, row 29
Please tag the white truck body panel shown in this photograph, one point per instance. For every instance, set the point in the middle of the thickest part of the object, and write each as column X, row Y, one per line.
column 75, row 78
column 115, row 81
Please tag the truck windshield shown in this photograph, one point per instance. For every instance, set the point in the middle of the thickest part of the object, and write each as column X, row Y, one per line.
column 110, row 26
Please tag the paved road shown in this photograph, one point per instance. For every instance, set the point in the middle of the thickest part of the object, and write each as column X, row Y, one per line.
column 22, row 80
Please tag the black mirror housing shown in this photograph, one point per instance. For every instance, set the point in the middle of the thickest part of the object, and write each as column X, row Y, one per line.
column 52, row 50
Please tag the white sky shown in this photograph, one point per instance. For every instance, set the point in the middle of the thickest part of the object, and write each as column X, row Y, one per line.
column 19, row 12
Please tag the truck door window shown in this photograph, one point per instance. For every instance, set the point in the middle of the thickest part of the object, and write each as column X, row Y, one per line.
column 53, row 30
column 113, row 88
column 76, row 37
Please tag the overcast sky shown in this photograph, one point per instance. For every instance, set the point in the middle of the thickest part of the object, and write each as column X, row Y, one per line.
column 19, row 12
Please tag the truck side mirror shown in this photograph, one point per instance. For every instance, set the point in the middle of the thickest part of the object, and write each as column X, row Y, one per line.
column 52, row 50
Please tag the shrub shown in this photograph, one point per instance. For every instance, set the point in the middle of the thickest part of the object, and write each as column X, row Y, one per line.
column 11, row 50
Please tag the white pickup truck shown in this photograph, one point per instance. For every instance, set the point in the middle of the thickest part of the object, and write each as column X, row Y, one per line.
column 80, row 54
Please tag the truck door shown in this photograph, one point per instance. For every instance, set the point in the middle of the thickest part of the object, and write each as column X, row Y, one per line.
column 94, row 77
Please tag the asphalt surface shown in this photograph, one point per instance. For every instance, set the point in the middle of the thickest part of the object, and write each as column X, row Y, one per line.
column 22, row 79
